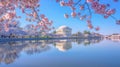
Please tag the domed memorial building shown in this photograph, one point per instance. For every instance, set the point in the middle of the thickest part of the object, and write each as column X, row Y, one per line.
column 64, row 31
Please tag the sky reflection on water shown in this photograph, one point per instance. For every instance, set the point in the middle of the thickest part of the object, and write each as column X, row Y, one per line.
column 60, row 53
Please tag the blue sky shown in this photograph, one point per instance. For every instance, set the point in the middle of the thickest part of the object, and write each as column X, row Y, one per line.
column 56, row 13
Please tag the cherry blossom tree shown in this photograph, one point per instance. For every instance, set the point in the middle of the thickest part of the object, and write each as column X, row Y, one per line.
column 30, row 29
column 30, row 8
column 91, row 6
column 11, row 29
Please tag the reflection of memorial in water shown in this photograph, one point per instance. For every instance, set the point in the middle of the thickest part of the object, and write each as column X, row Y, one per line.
column 63, row 45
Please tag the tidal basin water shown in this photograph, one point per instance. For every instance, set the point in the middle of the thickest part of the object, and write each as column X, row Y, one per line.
column 60, row 53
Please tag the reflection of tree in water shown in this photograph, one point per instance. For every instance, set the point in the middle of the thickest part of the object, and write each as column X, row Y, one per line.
column 87, row 41
column 91, row 41
column 9, row 52
column 36, row 48
column 78, row 41
column 10, row 57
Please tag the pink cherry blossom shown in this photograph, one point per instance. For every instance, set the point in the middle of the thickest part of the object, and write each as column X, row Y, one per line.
column 97, row 28
column 90, row 26
column 34, row 15
column 66, row 15
column 81, row 7
column 118, row 22
column 89, row 1
column 62, row 3
column 73, row 14
column 42, row 15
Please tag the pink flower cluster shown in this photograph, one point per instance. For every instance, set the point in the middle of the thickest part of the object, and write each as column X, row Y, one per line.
column 90, row 26
column 9, row 16
column 45, row 23
column 29, row 3
column 63, row 3
column 102, row 9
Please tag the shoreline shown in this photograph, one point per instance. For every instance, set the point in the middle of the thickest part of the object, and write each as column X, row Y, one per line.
column 61, row 38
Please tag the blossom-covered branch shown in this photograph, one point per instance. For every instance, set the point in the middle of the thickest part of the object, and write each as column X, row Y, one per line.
column 93, row 6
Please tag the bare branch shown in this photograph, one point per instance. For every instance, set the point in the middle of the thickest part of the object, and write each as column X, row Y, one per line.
column 89, row 8
column 77, row 3
column 113, row 17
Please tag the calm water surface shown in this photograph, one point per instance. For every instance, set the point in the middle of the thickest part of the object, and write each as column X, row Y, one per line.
column 60, row 53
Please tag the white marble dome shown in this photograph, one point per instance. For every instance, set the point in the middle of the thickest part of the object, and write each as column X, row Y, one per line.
column 62, row 27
